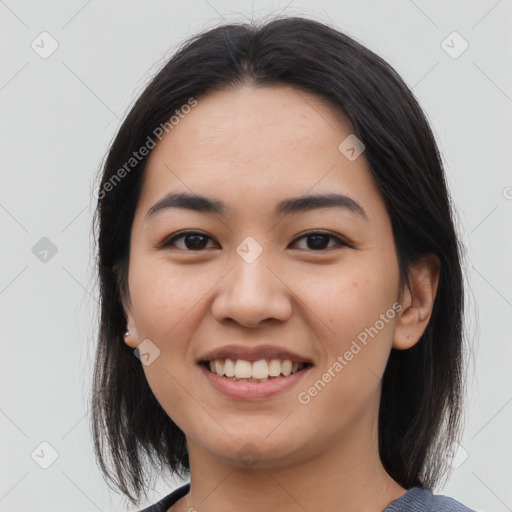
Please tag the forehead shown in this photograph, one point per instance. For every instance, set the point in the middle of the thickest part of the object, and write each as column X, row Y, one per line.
column 257, row 145
column 256, row 122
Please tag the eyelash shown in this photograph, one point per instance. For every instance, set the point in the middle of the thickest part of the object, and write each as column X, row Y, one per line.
column 168, row 242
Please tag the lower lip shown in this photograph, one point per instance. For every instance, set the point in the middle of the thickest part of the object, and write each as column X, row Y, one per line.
column 252, row 390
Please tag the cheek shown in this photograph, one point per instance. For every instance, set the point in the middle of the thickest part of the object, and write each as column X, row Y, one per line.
column 164, row 295
column 167, row 308
column 355, row 306
column 166, row 304
column 348, row 298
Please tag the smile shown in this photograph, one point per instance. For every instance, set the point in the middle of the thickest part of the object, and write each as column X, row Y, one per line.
column 262, row 370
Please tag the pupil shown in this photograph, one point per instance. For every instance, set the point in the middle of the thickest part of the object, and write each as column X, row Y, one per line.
column 195, row 241
column 317, row 241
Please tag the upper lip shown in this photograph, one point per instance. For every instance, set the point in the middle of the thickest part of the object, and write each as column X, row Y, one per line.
column 254, row 353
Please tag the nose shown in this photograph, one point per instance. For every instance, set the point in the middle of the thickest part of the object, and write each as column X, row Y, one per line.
column 252, row 293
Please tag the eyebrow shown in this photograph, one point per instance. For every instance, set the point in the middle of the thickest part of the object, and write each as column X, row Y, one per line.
column 203, row 204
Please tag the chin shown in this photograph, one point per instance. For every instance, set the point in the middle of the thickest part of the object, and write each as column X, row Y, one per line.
column 256, row 448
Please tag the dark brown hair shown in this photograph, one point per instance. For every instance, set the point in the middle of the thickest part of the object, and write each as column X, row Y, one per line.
column 422, row 387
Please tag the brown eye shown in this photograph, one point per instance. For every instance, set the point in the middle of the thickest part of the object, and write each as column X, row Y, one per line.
column 197, row 241
column 191, row 241
column 319, row 241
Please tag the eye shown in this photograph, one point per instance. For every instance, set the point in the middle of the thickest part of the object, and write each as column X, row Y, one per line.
column 197, row 241
column 319, row 241
column 192, row 241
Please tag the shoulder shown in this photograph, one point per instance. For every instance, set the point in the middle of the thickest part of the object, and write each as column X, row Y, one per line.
column 418, row 499
column 165, row 503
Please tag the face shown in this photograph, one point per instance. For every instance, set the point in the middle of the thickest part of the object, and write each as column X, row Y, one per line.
column 310, row 287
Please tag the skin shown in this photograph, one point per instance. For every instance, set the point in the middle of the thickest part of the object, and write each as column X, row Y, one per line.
column 252, row 147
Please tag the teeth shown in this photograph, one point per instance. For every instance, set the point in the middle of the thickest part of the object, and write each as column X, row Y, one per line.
column 219, row 367
column 243, row 369
column 274, row 368
column 229, row 368
column 261, row 370
column 286, row 368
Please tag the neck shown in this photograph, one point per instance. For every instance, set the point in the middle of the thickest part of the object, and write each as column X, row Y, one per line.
column 348, row 476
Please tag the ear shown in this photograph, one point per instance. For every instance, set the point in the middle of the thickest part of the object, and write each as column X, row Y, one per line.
column 133, row 339
column 417, row 303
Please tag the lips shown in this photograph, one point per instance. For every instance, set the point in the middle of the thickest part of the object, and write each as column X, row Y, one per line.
column 250, row 389
column 260, row 365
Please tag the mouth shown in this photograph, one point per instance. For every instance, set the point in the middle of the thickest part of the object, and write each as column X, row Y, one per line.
column 258, row 371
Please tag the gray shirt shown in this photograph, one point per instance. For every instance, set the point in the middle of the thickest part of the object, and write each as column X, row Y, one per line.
column 416, row 499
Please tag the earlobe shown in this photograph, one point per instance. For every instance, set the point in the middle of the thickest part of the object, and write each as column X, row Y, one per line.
column 130, row 335
column 130, row 339
column 418, row 302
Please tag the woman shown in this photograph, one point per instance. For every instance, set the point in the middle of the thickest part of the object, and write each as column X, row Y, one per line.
column 276, row 239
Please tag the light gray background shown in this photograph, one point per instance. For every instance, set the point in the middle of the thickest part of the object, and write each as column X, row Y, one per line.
column 58, row 116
